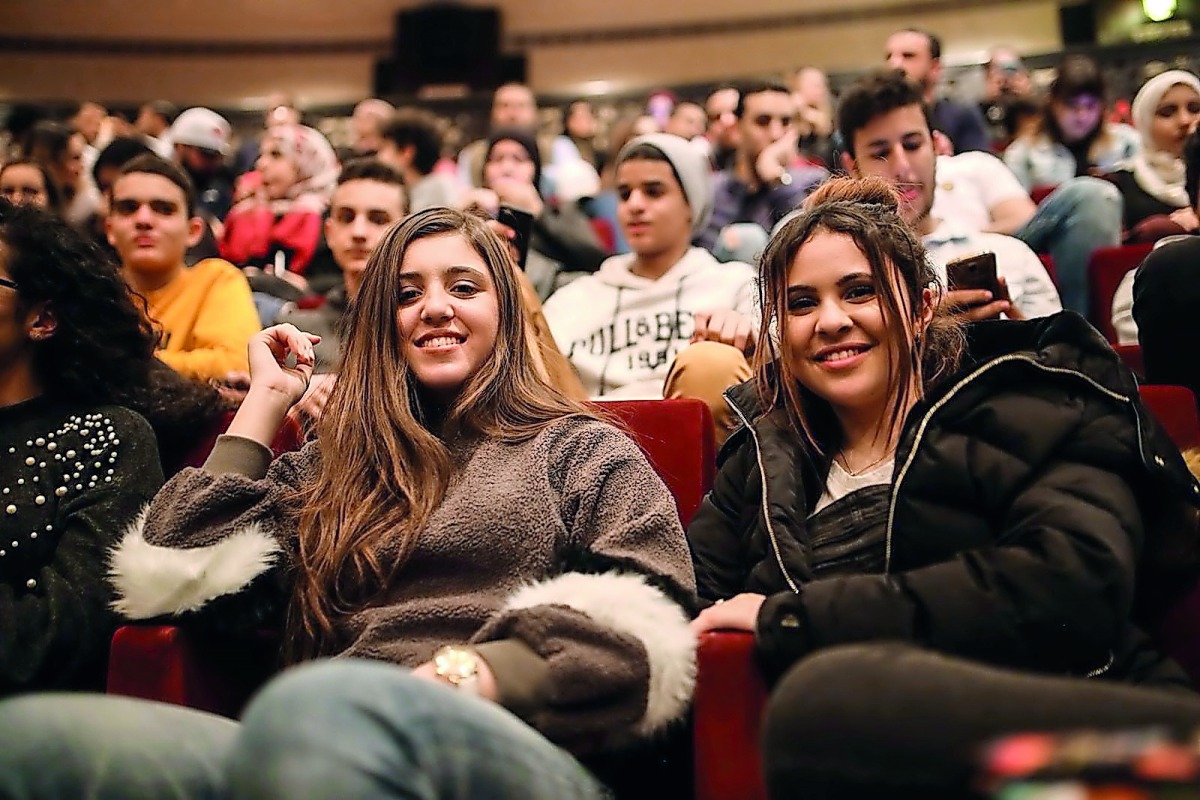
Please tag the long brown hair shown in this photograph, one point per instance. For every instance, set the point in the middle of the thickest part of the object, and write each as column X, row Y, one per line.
column 385, row 460
column 866, row 210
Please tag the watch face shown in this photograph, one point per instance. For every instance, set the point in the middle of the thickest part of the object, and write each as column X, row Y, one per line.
column 456, row 664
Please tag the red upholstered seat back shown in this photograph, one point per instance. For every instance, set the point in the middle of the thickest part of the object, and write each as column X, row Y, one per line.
column 1106, row 268
column 1175, row 408
column 1040, row 193
column 1178, row 633
column 1131, row 354
column 677, row 438
column 290, row 437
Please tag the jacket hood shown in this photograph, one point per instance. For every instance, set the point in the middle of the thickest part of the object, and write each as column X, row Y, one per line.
column 615, row 271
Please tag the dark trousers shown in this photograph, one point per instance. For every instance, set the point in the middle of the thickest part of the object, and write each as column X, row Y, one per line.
column 891, row 720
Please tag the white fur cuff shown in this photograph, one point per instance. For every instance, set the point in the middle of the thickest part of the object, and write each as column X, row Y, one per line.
column 152, row 581
column 627, row 603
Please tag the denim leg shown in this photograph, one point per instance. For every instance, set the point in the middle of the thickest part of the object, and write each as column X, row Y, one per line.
column 100, row 747
column 357, row 729
column 1081, row 216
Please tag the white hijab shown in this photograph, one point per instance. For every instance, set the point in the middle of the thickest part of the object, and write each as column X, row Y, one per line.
column 1160, row 174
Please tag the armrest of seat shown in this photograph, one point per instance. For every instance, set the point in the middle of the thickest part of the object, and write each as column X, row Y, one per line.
column 728, row 707
column 175, row 665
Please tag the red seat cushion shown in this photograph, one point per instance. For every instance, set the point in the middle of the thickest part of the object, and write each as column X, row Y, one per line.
column 1106, row 268
column 727, row 713
column 1175, row 408
column 677, row 438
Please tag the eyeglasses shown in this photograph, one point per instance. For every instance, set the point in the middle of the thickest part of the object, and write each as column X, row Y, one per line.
column 10, row 284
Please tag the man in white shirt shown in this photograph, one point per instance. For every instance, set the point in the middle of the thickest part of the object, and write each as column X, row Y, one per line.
column 1082, row 215
column 885, row 125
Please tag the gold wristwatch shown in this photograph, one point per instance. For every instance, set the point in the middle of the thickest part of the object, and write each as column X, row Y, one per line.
column 458, row 666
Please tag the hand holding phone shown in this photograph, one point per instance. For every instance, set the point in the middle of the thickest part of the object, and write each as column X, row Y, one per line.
column 521, row 223
column 976, row 272
column 968, row 279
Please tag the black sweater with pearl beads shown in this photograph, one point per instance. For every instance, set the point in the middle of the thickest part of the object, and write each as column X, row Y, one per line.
column 72, row 478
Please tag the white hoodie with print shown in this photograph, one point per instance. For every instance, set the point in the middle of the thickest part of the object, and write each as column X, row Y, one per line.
column 621, row 332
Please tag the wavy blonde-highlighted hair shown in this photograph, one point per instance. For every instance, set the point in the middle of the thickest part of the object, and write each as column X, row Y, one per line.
column 385, row 460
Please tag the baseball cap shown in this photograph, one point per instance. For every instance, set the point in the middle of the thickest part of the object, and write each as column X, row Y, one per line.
column 203, row 128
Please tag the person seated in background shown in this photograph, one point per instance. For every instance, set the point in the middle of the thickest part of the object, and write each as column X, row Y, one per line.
column 78, row 461
column 455, row 538
column 627, row 329
column 1165, row 112
column 1163, row 304
column 687, row 120
column 765, row 182
column 936, row 536
column 24, row 181
column 918, row 54
column 153, row 123
column 722, row 135
column 60, row 150
column 367, row 122
column 368, row 200
column 814, row 115
column 979, row 192
column 513, row 106
column 199, row 140
column 561, row 239
column 278, row 225
column 205, row 312
column 578, row 139
column 411, row 144
column 887, row 132
column 1074, row 138
column 1006, row 88
column 1125, row 320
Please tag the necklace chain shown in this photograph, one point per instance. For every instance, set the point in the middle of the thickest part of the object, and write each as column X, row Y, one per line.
column 841, row 457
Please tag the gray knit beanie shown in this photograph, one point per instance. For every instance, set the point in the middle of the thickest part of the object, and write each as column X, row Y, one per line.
column 690, row 165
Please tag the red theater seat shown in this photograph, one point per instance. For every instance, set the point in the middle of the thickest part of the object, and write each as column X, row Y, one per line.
column 181, row 666
column 1106, row 268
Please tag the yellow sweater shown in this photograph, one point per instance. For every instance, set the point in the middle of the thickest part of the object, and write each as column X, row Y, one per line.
column 206, row 317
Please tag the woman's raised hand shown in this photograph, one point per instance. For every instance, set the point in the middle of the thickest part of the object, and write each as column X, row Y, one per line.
column 269, row 363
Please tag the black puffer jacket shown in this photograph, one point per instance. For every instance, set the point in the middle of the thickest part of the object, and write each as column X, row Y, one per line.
column 1032, row 493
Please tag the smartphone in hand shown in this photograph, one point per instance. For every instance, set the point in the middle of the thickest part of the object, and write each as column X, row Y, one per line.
column 976, row 272
column 521, row 223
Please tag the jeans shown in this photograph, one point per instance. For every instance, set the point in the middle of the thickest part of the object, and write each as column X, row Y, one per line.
column 341, row 729
column 1079, row 217
column 891, row 720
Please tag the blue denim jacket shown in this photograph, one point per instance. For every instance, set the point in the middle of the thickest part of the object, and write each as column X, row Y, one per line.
column 1042, row 162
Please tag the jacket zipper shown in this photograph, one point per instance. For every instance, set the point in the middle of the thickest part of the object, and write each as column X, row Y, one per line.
column 765, row 507
column 887, row 561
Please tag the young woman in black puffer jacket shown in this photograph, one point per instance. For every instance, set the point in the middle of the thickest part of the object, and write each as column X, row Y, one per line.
column 937, row 536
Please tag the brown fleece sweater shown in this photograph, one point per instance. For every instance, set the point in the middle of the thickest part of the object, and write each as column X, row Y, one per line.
column 552, row 555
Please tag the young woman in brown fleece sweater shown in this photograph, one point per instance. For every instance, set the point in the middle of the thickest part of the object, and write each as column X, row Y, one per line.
column 457, row 516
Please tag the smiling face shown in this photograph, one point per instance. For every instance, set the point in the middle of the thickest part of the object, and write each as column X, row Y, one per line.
column 836, row 336
column 449, row 313
column 898, row 146
column 1175, row 117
